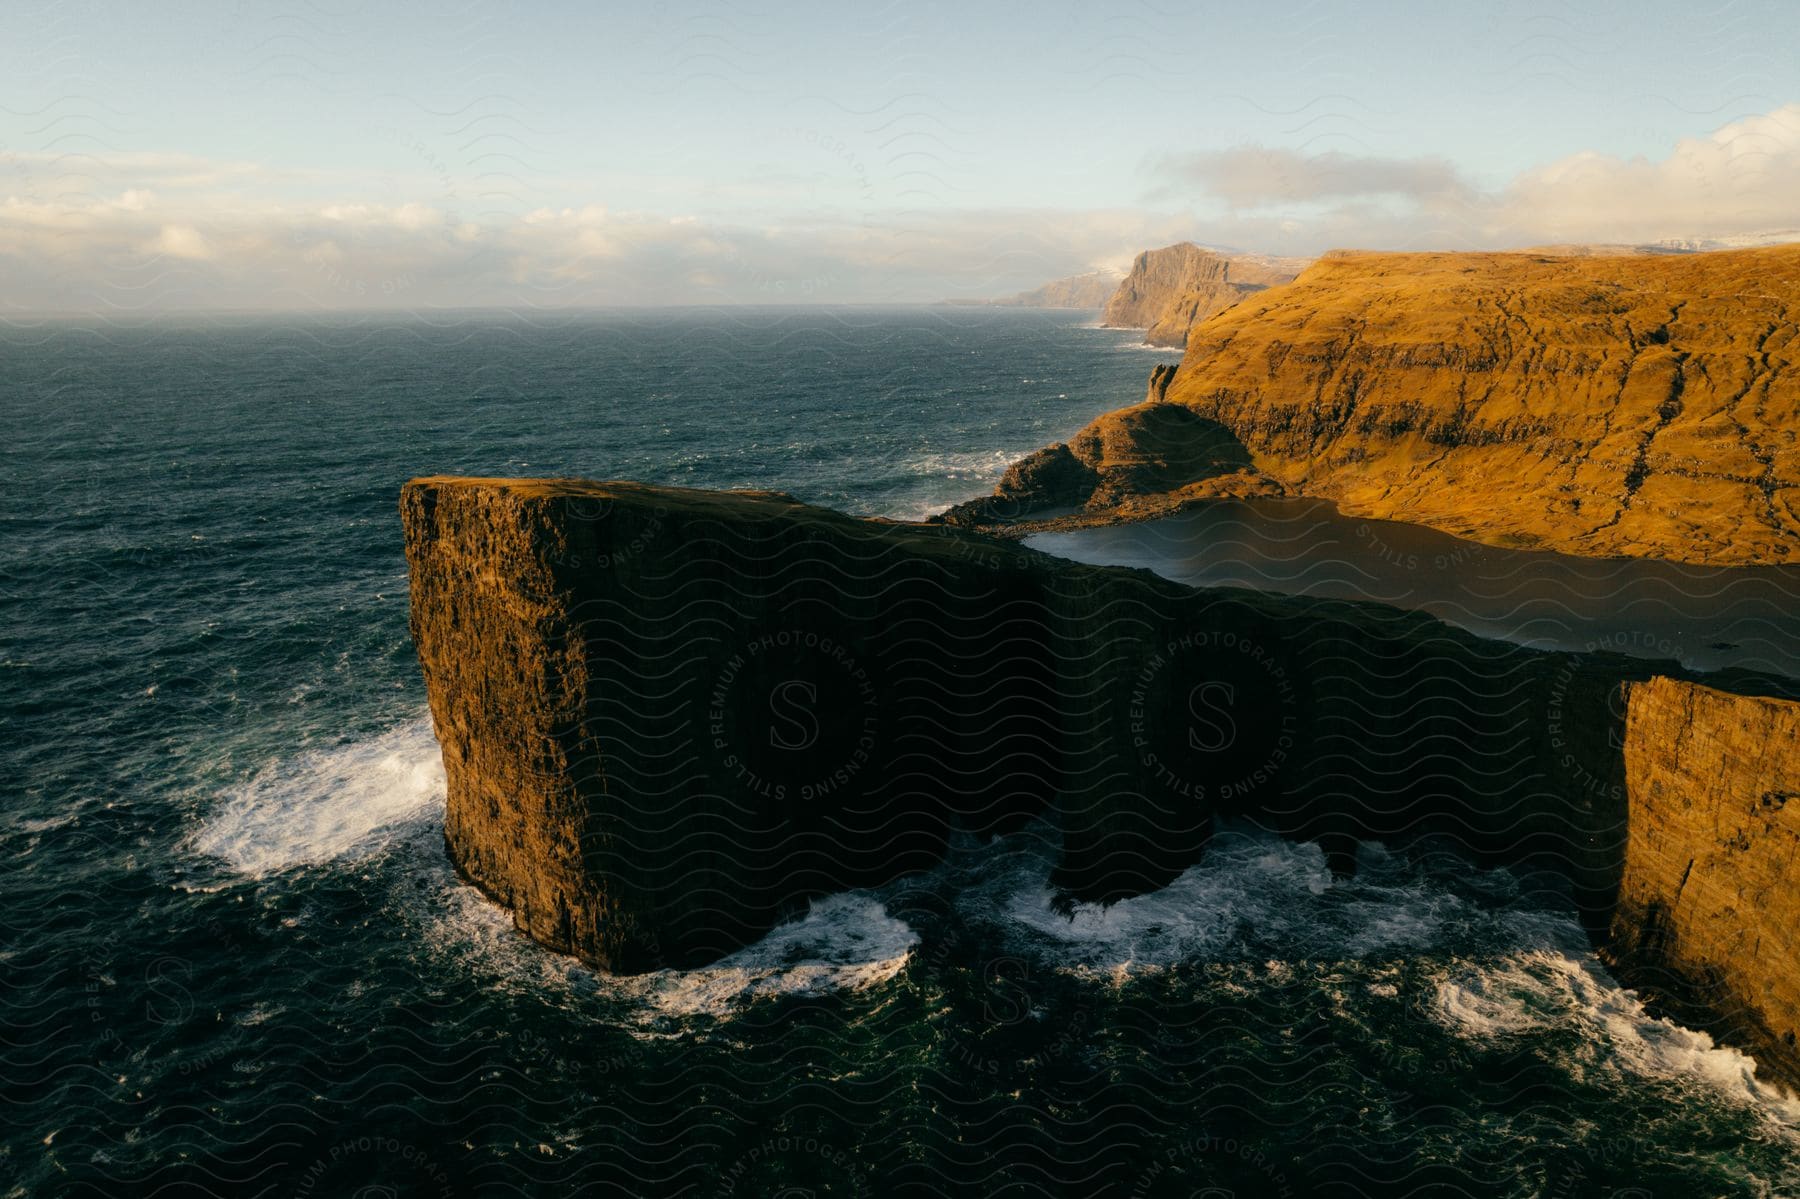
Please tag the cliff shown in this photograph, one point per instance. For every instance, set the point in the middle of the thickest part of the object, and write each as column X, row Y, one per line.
column 1170, row 290
column 1709, row 903
column 668, row 717
column 1609, row 406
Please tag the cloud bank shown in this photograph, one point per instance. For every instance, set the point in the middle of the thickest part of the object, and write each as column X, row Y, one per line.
column 150, row 232
column 1742, row 180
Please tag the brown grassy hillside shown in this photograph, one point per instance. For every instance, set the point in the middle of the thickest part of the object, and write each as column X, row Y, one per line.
column 1642, row 405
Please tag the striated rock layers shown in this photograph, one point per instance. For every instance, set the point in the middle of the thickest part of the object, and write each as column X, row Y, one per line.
column 1170, row 290
column 1709, row 904
column 1609, row 406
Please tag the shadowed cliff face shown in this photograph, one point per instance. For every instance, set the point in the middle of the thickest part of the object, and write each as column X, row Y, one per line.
column 668, row 717
column 1171, row 290
column 1636, row 406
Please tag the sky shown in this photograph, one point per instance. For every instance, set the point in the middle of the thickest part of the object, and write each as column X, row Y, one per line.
column 228, row 154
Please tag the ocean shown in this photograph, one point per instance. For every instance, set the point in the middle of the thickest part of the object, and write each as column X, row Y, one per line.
column 237, row 961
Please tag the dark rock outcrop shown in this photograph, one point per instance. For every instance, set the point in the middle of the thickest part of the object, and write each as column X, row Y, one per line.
column 1147, row 460
column 669, row 716
column 1052, row 477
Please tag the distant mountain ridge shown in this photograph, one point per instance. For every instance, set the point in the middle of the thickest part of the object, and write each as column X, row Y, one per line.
column 1091, row 289
column 1667, row 245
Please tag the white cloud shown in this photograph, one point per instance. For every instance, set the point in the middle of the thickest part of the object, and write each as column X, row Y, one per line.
column 164, row 230
column 180, row 241
column 1744, row 178
column 1250, row 177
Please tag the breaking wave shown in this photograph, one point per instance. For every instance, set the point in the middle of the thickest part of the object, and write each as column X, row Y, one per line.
column 349, row 800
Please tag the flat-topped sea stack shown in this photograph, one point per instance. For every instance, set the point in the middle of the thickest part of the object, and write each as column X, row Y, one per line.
column 1635, row 405
column 668, row 717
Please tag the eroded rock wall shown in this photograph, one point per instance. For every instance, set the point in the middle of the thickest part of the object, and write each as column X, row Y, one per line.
column 1709, row 900
column 670, row 716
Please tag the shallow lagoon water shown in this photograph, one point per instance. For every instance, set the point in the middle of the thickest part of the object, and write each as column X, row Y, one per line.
column 1707, row 618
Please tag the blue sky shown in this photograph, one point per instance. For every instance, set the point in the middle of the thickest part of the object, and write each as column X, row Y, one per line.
column 341, row 153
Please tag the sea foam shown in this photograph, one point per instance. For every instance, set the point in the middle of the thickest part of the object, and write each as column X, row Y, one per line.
column 1538, row 991
column 846, row 942
column 348, row 800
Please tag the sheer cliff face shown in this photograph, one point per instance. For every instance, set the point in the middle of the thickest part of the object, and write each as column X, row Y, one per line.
column 1172, row 289
column 1709, row 904
column 1625, row 406
column 669, row 716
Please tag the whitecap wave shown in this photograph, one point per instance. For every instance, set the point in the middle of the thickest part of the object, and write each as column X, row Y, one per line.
column 1246, row 886
column 846, row 942
column 1254, row 896
column 946, row 479
column 978, row 465
column 923, row 509
column 1512, row 970
column 1539, row 991
column 325, row 804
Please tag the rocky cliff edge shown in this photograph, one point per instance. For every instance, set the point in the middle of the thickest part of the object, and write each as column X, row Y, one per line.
column 1639, row 405
column 668, row 717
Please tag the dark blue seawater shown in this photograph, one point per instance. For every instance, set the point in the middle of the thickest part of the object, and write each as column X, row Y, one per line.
column 236, row 961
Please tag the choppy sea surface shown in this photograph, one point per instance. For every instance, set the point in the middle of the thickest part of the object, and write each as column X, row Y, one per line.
column 236, row 961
